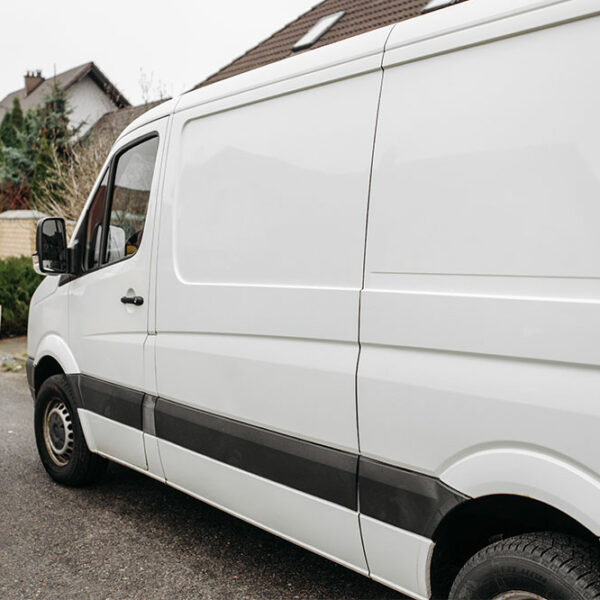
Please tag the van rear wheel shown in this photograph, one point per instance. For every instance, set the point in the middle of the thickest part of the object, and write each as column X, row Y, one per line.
column 534, row 566
column 59, row 437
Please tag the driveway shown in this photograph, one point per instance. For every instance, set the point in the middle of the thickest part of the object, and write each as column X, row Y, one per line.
column 131, row 537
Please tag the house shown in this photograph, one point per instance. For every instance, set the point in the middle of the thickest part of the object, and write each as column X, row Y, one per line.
column 90, row 94
column 327, row 22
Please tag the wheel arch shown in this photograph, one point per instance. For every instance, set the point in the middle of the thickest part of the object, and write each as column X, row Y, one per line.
column 512, row 491
column 534, row 473
column 45, row 368
column 53, row 357
column 479, row 522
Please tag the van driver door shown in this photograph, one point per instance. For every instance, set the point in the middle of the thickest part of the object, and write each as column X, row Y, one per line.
column 110, row 300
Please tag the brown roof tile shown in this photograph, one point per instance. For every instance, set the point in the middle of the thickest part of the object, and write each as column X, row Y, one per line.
column 112, row 124
column 360, row 16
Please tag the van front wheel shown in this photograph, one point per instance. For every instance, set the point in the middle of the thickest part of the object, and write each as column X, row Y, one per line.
column 59, row 437
column 534, row 566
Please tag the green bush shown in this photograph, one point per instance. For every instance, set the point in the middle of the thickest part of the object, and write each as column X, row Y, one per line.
column 18, row 281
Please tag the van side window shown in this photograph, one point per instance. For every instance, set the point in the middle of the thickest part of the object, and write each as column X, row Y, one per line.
column 93, row 229
column 130, row 194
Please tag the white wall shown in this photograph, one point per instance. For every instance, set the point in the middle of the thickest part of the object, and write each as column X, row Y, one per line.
column 88, row 103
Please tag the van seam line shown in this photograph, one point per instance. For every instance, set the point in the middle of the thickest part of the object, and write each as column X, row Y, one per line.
column 362, row 287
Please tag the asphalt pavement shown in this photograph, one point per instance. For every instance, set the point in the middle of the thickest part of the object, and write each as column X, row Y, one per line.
column 130, row 537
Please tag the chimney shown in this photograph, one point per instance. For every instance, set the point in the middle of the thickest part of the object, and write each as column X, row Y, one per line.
column 32, row 80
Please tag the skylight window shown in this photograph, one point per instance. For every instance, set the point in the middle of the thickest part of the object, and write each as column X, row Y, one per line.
column 436, row 4
column 315, row 33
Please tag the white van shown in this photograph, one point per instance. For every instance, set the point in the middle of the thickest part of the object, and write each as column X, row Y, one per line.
column 353, row 297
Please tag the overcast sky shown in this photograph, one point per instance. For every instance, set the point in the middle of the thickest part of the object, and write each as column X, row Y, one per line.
column 176, row 43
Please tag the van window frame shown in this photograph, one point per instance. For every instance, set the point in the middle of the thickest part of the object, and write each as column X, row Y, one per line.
column 82, row 233
column 111, row 169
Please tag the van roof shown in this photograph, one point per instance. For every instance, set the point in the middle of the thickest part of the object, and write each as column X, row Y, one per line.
column 456, row 17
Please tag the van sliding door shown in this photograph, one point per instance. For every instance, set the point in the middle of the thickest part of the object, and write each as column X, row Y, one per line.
column 259, row 274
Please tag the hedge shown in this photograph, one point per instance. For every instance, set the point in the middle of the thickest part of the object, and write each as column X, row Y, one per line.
column 18, row 281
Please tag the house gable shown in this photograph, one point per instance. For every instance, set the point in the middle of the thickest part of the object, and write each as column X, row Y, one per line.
column 88, row 103
column 67, row 80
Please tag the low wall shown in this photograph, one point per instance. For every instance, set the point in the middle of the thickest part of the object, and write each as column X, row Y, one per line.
column 17, row 232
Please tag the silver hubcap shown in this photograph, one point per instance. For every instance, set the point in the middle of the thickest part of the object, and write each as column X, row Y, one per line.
column 58, row 432
column 517, row 595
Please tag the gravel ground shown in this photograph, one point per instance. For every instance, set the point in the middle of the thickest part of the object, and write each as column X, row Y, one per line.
column 131, row 537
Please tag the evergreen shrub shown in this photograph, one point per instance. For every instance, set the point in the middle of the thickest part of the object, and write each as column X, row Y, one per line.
column 18, row 281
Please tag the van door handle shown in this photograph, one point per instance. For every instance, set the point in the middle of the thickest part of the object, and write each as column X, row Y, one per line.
column 137, row 300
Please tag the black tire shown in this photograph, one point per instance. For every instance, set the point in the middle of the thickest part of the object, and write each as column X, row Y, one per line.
column 554, row 566
column 59, row 437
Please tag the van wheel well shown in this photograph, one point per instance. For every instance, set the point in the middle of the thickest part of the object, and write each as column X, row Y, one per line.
column 477, row 523
column 47, row 367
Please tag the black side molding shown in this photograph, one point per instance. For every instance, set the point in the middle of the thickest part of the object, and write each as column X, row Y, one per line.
column 111, row 401
column 406, row 499
column 318, row 470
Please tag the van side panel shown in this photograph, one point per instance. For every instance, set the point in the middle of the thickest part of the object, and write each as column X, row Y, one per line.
column 480, row 322
column 260, row 254
column 259, row 276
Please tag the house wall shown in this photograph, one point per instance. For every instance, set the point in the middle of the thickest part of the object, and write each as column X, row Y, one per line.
column 88, row 103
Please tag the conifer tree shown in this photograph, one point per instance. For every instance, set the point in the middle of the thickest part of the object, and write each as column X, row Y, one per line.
column 8, row 134
column 43, row 162
column 17, row 114
column 51, row 121
column 27, row 151
column 4, row 126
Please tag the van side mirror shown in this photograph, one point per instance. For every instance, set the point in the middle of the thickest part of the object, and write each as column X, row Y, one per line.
column 51, row 246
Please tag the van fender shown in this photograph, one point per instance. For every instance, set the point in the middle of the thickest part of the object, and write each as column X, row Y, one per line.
column 55, row 346
column 534, row 474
